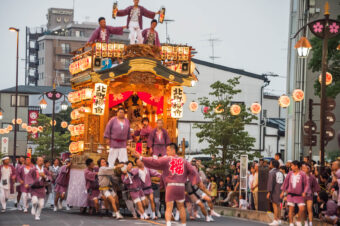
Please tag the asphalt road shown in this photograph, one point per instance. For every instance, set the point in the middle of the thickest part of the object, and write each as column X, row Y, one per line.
column 73, row 218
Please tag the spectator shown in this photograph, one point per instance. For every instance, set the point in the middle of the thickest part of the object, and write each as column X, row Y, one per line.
column 255, row 185
column 221, row 190
column 243, row 201
column 278, row 158
column 328, row 207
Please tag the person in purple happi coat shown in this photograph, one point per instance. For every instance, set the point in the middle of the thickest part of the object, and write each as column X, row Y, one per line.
column 92, row 185
column 37, row 177
column 135, row 15
column 23, row 179
column 314, row 188
column 145, row 175
column 20, row 163
column 130, row 177
column 176, row 171
column 103, row 32
column 144, row 131
column 117, row 133
column 7, row 180
column 150, row 35
column 158, row 140
column 61, row 184
column 296, row 185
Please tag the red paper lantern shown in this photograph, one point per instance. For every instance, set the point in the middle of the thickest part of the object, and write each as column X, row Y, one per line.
column 73, row 148
column 284, row 101
column 29, row 129
column 55, row 122
column 298, row 95
column 24, row 125
column 193, row 106
column 2, row 131
column 219, row 109
column 329, row 78
column 64, row 124
column 40, row 129
column 255, row 108
column 206, row 110
column 235, row 109
column 34, row 130
column 10, row 127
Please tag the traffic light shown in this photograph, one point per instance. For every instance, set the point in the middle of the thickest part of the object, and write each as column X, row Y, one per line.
column 329, row 119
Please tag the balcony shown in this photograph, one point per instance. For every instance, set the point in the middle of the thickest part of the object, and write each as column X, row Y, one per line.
column 61, row 51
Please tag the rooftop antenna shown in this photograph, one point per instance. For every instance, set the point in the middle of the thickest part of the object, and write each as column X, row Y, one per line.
column 212, row 42
column 166, row 29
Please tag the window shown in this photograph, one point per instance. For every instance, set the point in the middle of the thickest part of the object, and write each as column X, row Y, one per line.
column 65, row 48
column 65, row 62
column 22, row 101
column 77, row 33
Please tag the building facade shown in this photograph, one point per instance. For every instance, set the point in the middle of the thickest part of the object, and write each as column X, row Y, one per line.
column 299, row 76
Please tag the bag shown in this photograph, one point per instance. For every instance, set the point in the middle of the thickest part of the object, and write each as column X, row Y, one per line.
column 4, row 182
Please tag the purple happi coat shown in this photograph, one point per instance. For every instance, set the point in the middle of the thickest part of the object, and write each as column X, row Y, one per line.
column 143, row 12
column 297, row 187
column 12, row 177
column 61, row 182
column 96, row 37
column 158, row 145
column 337, row 174
column 145, row 34
column 176, row 171
column 313, row 187
column 118, row 136
column 146, row 182
column 92, row 185
column 133, row 183
column 143, row 133
column 17, row 167
column 23, row 176
column 37, row 183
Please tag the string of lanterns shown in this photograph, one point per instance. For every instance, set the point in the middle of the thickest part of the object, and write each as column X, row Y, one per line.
column 284, row 101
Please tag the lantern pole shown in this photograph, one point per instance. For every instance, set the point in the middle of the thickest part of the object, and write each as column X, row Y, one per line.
column 53, row 116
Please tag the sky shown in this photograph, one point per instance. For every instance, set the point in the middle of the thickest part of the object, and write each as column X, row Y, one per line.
column 252, row 34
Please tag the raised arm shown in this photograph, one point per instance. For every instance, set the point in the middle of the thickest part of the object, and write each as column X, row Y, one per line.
column 158, row 164
column 154, row 173
column 91, row 176
column 148, row 13
column 123, row 12
column 115, row 30
column 94, row 36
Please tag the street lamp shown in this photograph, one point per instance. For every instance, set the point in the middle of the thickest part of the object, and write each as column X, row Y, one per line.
column 13, row 29
column 53, row 95
column 43, row 104
column 324, row 29
column 303, row 47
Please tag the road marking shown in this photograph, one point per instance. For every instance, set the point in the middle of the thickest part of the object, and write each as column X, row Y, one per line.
column 153, row 222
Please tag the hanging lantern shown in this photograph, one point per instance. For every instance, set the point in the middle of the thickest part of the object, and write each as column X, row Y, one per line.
column 329, row 78
column 70, row 128
column 255, row 108
column 73, row 148
column 193, row 106
column 55, row 122
column 29, row 129
column 19, row 121
column 219, row 109
column 298, row 95
column 70, row 97
column 303, row 47
column 34, row 130
column 6, row 130
column 84, row 110
column 235, row 109
column 87, row 95
column 40, row 129
column 284, row 101
column 64, row 124
column 10, row 127
column 13, row 121
column 80, row 146
column 24, row 125
column 43, row 104
column 81, row 128
column 2, row 131
column 76, row 130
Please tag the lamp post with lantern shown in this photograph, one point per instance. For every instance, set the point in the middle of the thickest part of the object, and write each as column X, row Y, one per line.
column 53, row 95
column 324, row 29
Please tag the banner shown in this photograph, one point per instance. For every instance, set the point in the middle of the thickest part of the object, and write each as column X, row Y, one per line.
column 33, row 120
column 177, row 101
column 4, row 145
column 99, row 94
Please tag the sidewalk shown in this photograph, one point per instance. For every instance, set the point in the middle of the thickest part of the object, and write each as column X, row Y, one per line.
column 266, row 217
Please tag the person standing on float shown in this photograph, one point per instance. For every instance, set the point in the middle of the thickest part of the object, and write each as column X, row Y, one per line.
column 117, row 133
column 103, row 32
column 135, row 15
column 158, row 140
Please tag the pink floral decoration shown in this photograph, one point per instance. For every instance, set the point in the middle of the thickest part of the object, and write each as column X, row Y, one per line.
column 318, row 27
column 334, row 28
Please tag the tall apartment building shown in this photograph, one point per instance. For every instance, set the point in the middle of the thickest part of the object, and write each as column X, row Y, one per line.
column 299, row 76
column 51, row 53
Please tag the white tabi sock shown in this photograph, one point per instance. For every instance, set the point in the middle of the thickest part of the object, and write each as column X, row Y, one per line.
column 168, row 223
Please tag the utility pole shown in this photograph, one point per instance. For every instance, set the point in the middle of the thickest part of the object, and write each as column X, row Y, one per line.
column 212, row 42
column 167, row 37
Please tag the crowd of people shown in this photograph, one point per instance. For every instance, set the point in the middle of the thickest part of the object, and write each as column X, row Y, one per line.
column 300, row 189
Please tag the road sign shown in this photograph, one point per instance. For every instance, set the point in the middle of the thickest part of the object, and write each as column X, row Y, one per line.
column 309, row 140
column 309, row 127
column 4, row 145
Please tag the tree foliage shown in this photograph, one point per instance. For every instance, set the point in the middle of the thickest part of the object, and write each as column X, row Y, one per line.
column 333, row 61
column 61, row 136
column 225, row 133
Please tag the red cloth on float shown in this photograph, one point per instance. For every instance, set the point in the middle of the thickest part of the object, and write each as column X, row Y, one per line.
column 115, row 99
column 152, row 100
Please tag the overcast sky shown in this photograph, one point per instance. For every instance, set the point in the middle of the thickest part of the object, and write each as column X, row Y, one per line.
column 253, row 33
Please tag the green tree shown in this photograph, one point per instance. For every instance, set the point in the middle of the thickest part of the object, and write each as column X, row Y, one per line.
column 225, row 133
column 61, row 139
column 333, row 64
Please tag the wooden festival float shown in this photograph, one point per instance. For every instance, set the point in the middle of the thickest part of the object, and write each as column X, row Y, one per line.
column 147, row 81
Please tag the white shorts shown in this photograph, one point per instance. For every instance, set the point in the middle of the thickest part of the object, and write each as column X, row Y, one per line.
column 114, row 153
column 293, row 204
column 108, row 193
column 4, row 193
column 139, row 199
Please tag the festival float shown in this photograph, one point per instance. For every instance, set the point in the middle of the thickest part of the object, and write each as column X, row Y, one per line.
column 147, row 81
